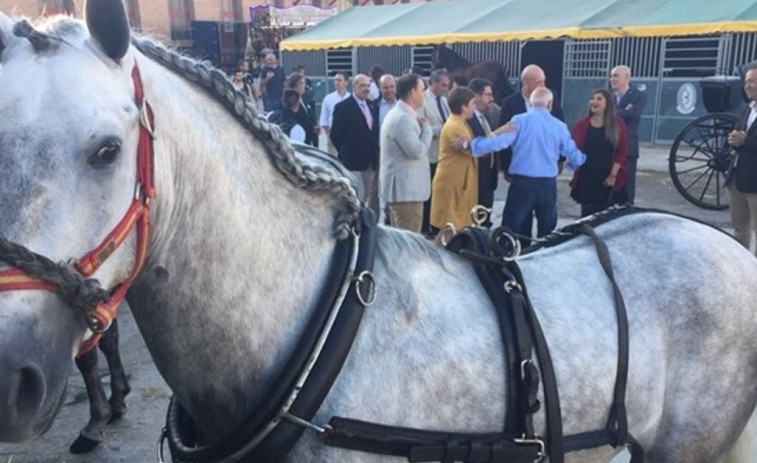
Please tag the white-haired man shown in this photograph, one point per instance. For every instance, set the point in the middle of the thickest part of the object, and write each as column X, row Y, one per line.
column 630, row 102
column 538, row 139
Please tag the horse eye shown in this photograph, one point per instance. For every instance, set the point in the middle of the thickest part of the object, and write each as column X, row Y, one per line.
column 105, row 155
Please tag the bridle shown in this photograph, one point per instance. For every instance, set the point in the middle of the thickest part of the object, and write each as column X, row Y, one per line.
column 101, row 309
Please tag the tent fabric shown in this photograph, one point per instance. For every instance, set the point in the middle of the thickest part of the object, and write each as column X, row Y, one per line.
column 461, row 21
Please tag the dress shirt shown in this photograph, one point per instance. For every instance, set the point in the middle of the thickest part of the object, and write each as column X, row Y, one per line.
column 538, row 141
column 366, row 112
column 752, row 115
column 383, row 109
column 482, row 119
column 327, row 107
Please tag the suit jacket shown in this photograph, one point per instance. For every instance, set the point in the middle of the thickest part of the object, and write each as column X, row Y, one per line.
column 512, row 106
column 630, row 108
column 487, row 164
column 744, row 166
column 430, row 111
column 405, row 172
column 355, row 142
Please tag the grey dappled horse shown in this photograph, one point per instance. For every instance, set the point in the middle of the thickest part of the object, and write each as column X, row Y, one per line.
column 243, row 235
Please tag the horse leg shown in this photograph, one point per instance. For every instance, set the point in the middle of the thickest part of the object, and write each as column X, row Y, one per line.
column 119, row 384
column 745, row 448
column 99, row 408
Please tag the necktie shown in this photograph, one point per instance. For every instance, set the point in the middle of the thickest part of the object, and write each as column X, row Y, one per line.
column 367, row 114
column 441, row 109
column 484, row 124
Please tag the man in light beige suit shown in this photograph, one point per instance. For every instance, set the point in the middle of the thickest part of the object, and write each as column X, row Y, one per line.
column 405, row 138
column 436, row 112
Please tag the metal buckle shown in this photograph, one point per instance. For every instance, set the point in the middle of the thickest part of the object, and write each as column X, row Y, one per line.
column 523, row 365
column 365, row 277
column 480, row 214
column 161, row 440
column 510, row 285
column 533, row 441
column 144, row 119
column 446, row 234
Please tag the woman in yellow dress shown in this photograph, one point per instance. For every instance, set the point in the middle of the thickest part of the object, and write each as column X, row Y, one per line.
column 455, row 186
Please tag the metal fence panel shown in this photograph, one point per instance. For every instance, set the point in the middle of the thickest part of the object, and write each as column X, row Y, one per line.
column 393, row 60
column 313, row 61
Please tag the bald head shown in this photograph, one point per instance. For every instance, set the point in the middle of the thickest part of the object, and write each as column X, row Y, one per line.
column 531, row 78
column 541, row 98
column 620, row 79
column 361, row 86
column 388, row 87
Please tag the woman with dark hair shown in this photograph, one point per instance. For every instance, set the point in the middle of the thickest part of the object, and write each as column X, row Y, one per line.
column 455, row 185
column 602, row 136
column 305, row 116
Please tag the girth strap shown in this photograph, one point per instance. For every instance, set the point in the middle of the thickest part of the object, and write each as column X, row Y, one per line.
column 617, row 423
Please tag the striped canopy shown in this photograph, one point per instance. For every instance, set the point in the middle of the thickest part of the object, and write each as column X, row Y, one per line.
column 433, row 23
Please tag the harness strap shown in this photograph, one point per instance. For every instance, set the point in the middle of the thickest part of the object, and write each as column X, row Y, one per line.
column 617, row 422
column 430, row 446
column 553, row 411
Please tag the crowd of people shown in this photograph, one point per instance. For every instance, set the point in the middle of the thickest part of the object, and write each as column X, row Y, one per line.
column 427, row 153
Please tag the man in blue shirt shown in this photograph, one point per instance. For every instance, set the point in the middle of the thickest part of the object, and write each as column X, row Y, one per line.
column 538, row 139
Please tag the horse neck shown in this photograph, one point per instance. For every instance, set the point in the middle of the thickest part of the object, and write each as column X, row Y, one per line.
column 233, row 268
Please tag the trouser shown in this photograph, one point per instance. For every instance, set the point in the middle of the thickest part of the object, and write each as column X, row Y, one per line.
column 631, row 179
column 743, row 214
column 426, row 226
column 487, row 179
column 408, row 216
column 370, row 188
column 528, row 196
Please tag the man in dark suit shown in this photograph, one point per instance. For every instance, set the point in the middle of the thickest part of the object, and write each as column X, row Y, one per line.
column 355, row 135
column 480, row 126
column 630, row 102
column 742, row 177
column 531, row 78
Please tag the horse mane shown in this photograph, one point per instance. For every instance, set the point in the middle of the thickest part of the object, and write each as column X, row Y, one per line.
column 306, row 176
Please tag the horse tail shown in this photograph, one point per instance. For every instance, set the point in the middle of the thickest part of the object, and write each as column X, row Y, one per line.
column 745, row 448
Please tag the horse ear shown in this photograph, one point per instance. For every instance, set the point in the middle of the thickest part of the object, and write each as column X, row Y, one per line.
column 109, row 26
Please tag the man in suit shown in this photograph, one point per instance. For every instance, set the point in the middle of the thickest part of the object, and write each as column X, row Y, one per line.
column 630, row 102
column 405, row 138
column 479, row 125
column 742, row 177
column 531, row 78
column 436, row 110
column 354, row 133
column 387, row 99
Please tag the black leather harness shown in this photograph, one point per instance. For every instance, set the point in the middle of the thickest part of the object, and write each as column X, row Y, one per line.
column 526, row 353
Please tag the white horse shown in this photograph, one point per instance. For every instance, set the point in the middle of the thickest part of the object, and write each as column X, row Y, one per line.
column 243, row 237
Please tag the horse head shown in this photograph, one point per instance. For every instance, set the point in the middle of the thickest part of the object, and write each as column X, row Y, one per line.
column 67, row 147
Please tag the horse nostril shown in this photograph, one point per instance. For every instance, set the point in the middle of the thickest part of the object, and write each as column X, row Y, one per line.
column 27, row 391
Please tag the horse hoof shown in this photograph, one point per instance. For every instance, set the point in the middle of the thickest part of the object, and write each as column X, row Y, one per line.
column 83, row 445
column 116, row 415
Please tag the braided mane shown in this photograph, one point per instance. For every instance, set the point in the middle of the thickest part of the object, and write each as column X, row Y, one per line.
column 308, row 177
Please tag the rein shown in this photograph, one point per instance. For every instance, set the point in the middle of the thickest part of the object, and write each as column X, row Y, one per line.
column 72, row 282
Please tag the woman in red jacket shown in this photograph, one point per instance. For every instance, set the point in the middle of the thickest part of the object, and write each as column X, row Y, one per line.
column 603, row 137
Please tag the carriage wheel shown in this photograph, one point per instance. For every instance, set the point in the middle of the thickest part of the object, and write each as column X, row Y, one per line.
column 699, row 159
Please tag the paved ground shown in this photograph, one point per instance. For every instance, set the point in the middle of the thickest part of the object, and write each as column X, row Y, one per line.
column 134, row 439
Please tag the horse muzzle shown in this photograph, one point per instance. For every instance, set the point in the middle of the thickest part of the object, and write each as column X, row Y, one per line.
column 35, row 361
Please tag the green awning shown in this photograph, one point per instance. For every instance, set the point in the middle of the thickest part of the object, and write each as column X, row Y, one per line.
column 434, row 23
